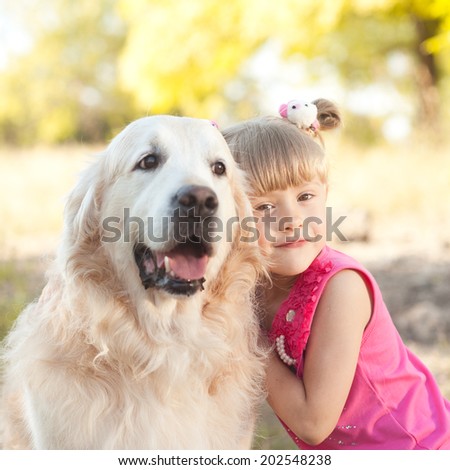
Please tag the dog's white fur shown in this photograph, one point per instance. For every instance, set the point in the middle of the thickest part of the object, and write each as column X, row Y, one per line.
column 99, row 362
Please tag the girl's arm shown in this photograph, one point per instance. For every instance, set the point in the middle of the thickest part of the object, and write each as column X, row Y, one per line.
column 311, row 407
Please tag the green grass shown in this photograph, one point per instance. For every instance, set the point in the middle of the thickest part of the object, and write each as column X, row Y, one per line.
column 270, row 434
column 20, row 282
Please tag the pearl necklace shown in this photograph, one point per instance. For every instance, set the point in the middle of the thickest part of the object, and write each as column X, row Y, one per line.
column 279, row 343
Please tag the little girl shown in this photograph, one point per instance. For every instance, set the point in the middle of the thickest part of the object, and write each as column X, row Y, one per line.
column 339, row 376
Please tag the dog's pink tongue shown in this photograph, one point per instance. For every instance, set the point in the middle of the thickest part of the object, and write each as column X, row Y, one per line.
column 184, row 265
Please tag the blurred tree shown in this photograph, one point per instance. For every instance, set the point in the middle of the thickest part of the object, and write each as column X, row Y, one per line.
column 180, row 54
column 94, row 65
column 193, row 49
column 368, row 31
column 65, row 87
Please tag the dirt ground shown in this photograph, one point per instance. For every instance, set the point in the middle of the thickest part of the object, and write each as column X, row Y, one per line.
column 415, row 287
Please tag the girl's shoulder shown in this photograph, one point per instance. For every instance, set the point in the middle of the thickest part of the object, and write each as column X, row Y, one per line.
column 341, row 260
column 332, row 261
column 329, row 262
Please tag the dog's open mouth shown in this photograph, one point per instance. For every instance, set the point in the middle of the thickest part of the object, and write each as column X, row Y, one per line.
column 179, row 271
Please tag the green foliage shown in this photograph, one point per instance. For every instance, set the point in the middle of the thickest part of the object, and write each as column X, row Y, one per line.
column 93, row 66
column 65, row 88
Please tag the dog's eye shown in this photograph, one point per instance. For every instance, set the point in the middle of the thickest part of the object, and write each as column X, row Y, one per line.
column 218, row 168
column 149, row 162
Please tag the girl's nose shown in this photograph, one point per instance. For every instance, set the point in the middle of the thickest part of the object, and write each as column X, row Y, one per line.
column 291, row 222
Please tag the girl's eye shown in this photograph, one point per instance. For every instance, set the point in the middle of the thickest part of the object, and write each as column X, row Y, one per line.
column 305, row 197
column 264, row 207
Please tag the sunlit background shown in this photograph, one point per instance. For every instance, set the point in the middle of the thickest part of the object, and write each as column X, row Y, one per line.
column 73, row 73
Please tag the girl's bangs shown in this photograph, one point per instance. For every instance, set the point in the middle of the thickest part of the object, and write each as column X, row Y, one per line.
column 275, row 154
column 280, row 161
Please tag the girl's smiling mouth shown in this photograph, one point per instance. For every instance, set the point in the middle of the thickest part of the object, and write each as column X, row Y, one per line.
column 292, row 244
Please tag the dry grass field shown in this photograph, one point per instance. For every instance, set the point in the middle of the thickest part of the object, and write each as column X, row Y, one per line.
column 396, row 203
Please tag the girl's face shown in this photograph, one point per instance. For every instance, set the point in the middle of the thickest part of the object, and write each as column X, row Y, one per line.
column 291, row 226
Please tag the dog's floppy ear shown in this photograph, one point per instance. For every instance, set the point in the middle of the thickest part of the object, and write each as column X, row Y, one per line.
column 81, row 216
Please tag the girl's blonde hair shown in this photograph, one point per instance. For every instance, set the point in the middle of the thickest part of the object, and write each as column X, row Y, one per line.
column 275, row 154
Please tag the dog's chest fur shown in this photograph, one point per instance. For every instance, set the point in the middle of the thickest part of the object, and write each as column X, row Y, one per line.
column 183, row 393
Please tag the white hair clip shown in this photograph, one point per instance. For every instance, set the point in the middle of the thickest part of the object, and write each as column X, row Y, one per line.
column 302, row 114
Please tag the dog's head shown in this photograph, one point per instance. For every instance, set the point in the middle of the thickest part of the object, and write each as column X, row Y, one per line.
column 164, row 201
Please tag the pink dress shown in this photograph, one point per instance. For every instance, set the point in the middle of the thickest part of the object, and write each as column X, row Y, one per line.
column 394, row 401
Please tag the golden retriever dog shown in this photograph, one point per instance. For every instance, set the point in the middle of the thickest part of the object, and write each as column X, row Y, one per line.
column 144, row 336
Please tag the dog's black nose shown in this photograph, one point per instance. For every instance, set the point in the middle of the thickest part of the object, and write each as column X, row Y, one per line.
column 197, row 200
